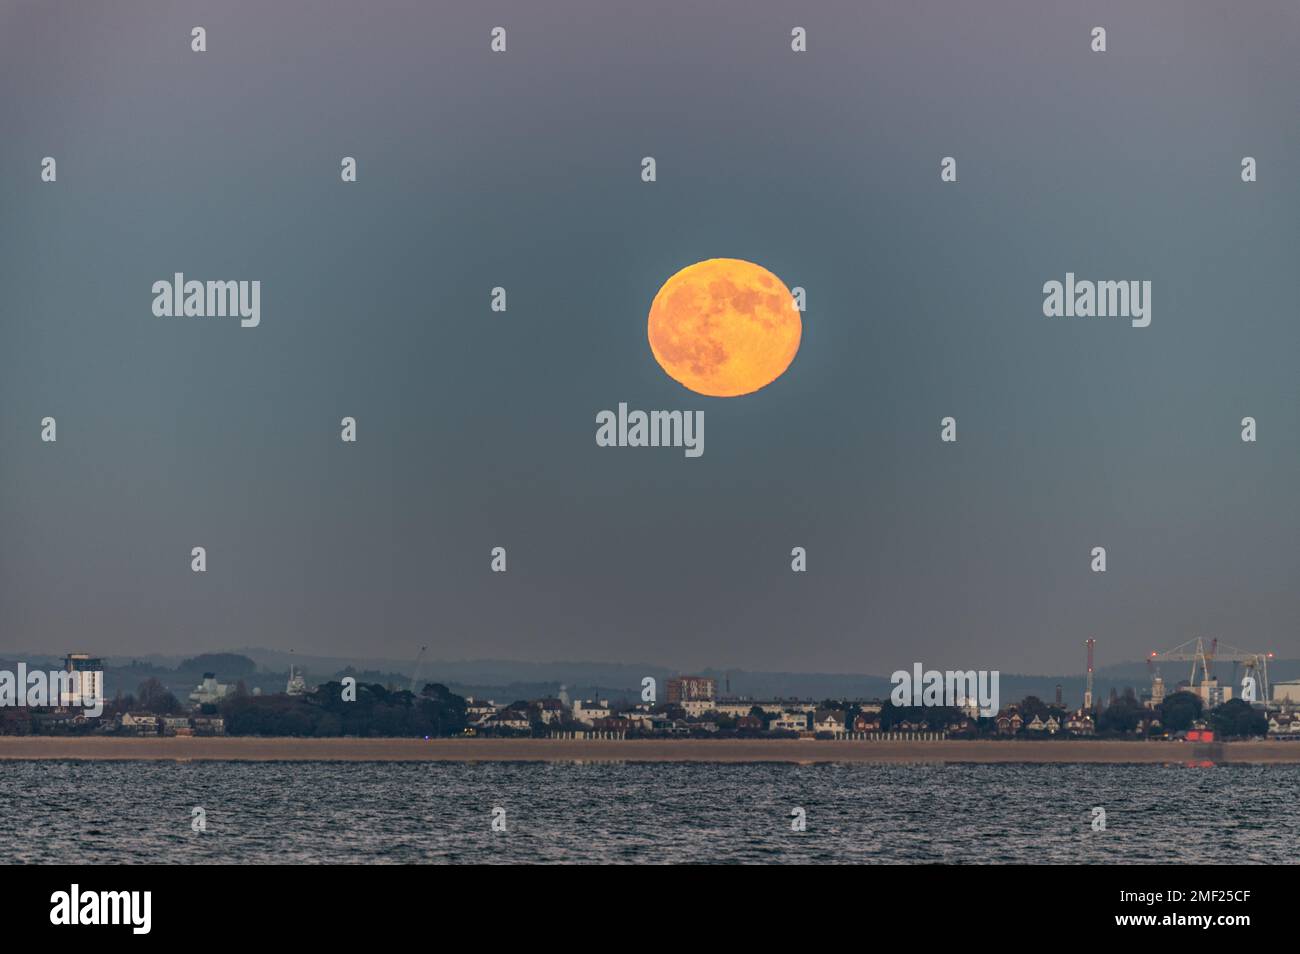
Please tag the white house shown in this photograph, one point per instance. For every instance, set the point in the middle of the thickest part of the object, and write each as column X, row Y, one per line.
column 829, row 720
column 790, row 721
column 142, row 723
column 588, row 711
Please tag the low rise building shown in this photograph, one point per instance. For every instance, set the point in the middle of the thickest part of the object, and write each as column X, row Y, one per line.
column 789, row 722
column 866, row 722
column 177, row 725
column 1287, row 691
column 138, row 723
column 550, row 711
column 509, row 720
column 588, row 711
column 829, row 720
column 209, row 725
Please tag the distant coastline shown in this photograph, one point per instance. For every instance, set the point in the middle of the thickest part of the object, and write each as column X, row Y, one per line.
column 803, row 751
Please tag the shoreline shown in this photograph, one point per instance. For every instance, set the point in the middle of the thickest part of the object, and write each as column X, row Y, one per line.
column 800, row 751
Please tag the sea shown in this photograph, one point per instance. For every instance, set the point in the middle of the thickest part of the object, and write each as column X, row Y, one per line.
column 644, row 813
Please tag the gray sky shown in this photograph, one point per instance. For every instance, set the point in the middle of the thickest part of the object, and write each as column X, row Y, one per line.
column 477, row 429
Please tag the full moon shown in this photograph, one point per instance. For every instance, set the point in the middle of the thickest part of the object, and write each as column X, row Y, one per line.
column 724, row 327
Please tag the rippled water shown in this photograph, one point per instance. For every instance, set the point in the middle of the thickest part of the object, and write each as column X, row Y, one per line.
column 648, row 813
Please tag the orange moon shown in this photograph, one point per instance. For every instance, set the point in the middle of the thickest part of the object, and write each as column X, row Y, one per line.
column 724, row 327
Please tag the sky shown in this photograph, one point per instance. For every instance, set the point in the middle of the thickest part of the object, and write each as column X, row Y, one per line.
column 476, row 429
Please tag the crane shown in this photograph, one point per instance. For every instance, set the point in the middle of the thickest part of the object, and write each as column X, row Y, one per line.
column 1195, row 652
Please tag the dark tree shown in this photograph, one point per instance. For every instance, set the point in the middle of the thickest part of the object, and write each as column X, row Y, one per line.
column 154, row 697
column 1180, row 710
column 1237, row 719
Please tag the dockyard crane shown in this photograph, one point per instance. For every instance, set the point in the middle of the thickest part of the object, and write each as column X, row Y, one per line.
column 1195, row 652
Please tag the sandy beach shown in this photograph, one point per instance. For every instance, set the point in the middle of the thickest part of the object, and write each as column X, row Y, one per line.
column 647, row 750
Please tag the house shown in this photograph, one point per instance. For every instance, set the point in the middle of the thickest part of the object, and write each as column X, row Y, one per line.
column 1051, row 725
column 549, row 711
column 1284, row 725
column 1035, row 725
column 1080, row 724
column 789, row 722
column 508, row 720
column 1009, row 722
column 588, row 711
column 866, row 723
column 828, row 720
column 477, row 710
column 638, row 720
column 142, row 723
column 176, row 725
column 209, row 725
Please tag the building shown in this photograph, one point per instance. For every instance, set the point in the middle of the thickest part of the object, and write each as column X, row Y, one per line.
column 1212, row 694
column 476, row 710
column 512, row 720
column 209, row 725
column 790, row 722
column 639, row 720
column 1284, row 724
column 549, row 711
column 1009, row 723
column 828, row 720
column 738, row 708
column 138, row 723
column 177, row 725
column 866, row 722
column 1157, row 692
column 1288, row 691
column 87, row 685
column 588, row 711
column 694, row 708
column 683, row 689
column 209, row 691
column 1080, row 724
column 742, row 707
